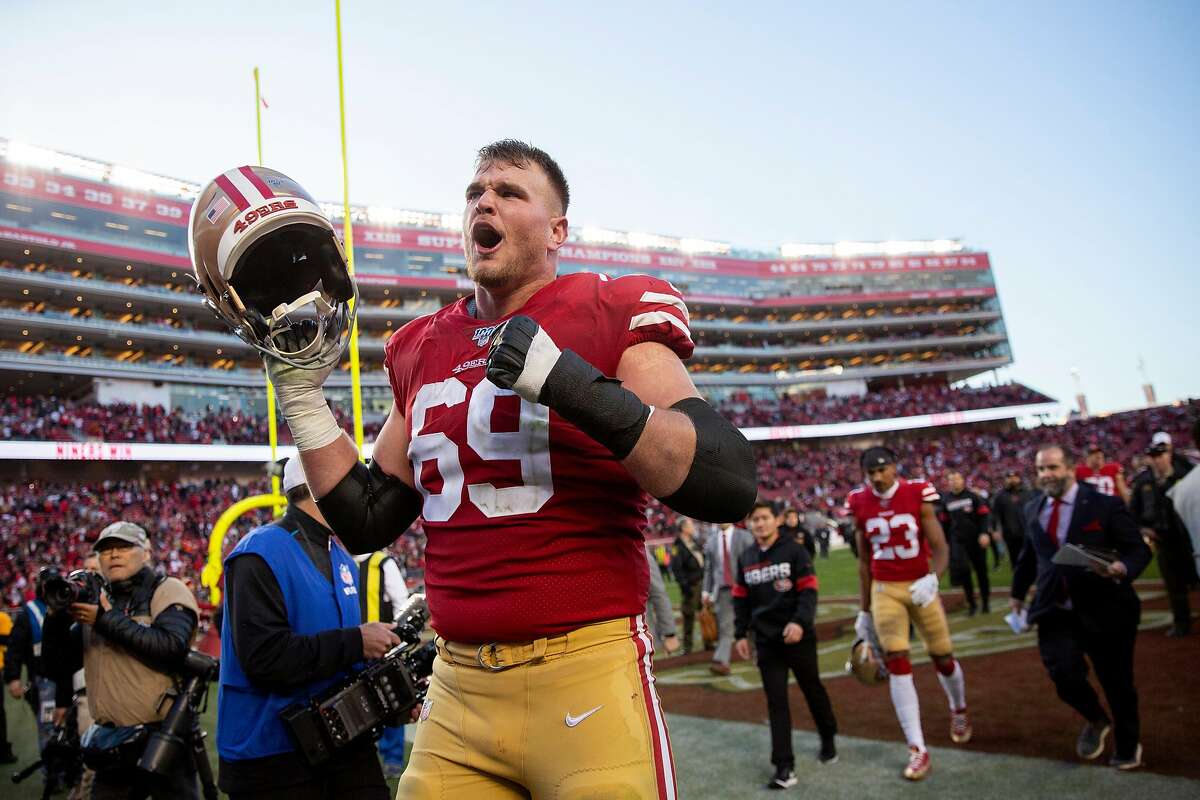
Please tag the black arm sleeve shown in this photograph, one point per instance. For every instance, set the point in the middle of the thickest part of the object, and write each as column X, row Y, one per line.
column 162, row 644
column 806, row 609
column 369, row 509
column 1026, row 569
column 722, row 483
column 269, row 652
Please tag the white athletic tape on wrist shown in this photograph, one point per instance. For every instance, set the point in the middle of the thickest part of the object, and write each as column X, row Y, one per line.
column 542, row 356
column 308, row 417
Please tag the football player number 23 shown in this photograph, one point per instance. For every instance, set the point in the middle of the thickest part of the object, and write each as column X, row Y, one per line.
column 529, row 444
column 882, row 530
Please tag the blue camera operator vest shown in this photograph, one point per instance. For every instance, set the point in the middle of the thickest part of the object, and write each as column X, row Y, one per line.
column 248, row 724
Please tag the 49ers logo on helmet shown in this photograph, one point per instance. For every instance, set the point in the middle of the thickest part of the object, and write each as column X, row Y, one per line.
column 255, row 214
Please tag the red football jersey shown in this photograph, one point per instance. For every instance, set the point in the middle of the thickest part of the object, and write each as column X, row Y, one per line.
column 892, row 524
column 533, row 528
column 1105, row 480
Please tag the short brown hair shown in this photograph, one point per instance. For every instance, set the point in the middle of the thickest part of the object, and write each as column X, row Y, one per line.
column 1068, row 456
column 520, row 154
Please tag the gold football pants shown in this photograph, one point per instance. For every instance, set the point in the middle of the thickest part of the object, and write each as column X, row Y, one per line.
column 892, row 608
column 572, row 716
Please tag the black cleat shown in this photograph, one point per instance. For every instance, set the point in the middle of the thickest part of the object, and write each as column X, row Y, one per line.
column 828, row 753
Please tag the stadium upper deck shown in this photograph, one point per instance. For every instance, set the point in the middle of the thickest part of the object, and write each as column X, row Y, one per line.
column 95, row 283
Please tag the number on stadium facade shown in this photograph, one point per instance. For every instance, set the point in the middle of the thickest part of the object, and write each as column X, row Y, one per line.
column 881, row 530
column 529, row 444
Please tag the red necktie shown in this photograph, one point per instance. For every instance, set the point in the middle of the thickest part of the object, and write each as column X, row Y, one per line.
column 728, row 566
column 1061, row 595
column 1052, row 527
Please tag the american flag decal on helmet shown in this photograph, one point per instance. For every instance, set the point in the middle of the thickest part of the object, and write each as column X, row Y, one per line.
column 217, row 207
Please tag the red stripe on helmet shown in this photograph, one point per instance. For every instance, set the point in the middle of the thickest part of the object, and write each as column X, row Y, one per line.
column 232, row 192
column 258, row 182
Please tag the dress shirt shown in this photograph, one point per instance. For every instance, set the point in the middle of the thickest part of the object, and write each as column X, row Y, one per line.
column 1065, row 510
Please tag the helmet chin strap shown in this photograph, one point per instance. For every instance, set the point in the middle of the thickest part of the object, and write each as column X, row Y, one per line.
column 279, row 321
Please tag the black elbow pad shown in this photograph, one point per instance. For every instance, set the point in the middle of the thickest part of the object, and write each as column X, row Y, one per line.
column 369, row 509
column 721, row 485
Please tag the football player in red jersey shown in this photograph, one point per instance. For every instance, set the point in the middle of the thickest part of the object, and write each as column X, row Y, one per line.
column 1107, row 476
column 530, row 422
column 898, row 536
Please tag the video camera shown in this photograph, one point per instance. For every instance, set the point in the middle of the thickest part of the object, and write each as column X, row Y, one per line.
column 380, row 696
column 80, row 586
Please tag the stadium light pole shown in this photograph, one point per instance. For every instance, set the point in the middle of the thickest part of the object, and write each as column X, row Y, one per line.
column 272, row 419
column 348, row 235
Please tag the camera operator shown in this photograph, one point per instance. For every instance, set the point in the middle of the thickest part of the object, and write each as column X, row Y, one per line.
column 130, row 643
column 291, row 629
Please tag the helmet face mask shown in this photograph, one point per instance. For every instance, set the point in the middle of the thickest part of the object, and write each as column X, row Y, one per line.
column 272, row 268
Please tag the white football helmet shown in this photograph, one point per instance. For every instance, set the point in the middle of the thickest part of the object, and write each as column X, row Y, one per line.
column 268, row 261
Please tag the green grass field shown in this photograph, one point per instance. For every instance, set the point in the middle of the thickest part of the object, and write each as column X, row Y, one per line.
column 839, row 576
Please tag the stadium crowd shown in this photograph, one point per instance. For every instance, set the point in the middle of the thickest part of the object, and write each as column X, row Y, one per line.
column 54, row 419
column 820, row 476
column 811, row 409
column 44, row 523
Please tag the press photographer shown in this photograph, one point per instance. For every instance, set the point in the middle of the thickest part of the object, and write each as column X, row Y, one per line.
column 131, row 630
column 291, row 631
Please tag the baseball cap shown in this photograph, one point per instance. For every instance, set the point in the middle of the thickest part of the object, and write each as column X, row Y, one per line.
column 1160, row 437
column 293, row 474
column 1095, row 447
column 124, row 532
column 874, row 457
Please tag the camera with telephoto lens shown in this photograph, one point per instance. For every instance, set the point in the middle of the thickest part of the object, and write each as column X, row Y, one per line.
column 380, row 696
column 80, row 586
column 179, row 735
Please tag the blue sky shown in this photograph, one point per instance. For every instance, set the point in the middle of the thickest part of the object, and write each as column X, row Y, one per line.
column 1060, row 137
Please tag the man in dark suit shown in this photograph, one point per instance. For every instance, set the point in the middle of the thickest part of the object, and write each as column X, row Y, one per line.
column 1008, row 513
column 1084, row 612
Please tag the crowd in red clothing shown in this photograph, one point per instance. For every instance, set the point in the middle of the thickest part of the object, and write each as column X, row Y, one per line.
column 54, row 524
column 53, row 419
column 816, row 409
column 819, row 475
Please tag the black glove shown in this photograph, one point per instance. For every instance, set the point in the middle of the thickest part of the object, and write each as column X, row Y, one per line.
column 524, row 358
column 521, row 356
